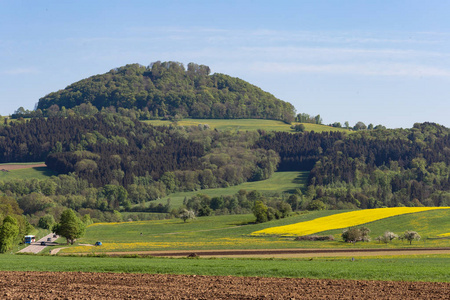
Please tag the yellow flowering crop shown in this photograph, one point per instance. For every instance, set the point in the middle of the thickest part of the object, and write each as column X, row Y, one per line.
column 444, row 234
column 342, row 220
column 239, row 242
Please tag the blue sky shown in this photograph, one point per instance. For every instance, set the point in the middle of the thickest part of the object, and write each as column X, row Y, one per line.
column 380, row 62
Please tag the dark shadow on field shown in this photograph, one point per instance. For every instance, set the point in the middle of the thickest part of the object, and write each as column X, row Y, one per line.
column 45, row 171
column 301, row 180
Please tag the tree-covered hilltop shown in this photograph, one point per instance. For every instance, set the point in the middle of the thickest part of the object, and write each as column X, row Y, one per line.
column 169, row 89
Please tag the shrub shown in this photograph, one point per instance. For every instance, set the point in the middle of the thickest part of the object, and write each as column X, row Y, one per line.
column 387, row 237
column 316, row 205
column 315, row 238
column 354, row 234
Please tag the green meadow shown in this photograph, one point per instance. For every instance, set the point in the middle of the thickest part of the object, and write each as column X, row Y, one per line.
column 234, row 232
column 433, row 268
column 279, row 182
column 28, row 173
column 246, row 125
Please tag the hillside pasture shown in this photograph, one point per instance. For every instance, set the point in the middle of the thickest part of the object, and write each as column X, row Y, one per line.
column 278, row 183
column 246, row 125
column 234, row 232
column 11, row 171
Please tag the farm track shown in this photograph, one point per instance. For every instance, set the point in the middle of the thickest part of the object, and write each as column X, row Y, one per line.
column 80, row 285
column 285, row 253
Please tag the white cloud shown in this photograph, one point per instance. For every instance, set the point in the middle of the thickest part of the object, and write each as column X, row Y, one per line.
column 21, row 71
column 371, row 69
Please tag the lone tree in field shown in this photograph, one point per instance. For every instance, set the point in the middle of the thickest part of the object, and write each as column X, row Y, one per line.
column 70, row 226
column 187, row 215
column 8, row 232
column 410, row 236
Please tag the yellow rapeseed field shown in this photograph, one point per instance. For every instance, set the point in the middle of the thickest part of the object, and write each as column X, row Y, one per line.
column 342, row 220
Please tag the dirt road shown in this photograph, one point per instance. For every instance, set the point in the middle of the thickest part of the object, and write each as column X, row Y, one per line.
column 79, row 285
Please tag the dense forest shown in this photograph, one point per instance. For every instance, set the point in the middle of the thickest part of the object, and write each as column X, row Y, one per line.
column 165, row 89
column 369, row 169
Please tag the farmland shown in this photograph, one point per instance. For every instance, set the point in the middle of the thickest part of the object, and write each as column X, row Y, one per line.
column 343, row 220
column 246, row 124
column 20, row 285
column 234, row 232
column 13, row 171
column 410, row 268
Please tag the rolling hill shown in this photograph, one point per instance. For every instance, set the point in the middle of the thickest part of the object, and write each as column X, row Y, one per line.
column 168, row 89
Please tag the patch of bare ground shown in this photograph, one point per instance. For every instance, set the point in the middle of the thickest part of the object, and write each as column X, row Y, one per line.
column 9, row 167
column 79, row 285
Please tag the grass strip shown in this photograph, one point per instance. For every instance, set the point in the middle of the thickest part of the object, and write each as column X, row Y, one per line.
column 433, row 268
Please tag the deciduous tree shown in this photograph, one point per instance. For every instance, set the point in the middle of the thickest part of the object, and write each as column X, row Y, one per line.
column 70, row 226
column 8, row 232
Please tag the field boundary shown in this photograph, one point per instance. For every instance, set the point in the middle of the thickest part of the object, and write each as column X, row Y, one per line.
column 279, row 252
column 14, row 166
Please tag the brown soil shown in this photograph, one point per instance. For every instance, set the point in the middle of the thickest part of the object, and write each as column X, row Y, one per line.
column 16, row 167
column 78, row 285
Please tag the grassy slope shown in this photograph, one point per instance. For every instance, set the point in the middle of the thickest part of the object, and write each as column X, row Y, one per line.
column 29, row 173
column 224, row 232
column 280, row 182
column 246, row 124
column 429, row 268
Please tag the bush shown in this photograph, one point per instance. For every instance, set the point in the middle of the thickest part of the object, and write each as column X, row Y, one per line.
column 316, row 205
column 315, row 238
column 354, row 234
column 387, row 237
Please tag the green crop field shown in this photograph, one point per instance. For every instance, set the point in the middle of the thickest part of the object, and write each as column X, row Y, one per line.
column 414, row 268
column 246, row 124
column 27, row 173
column 280, row 182
column 234, row 232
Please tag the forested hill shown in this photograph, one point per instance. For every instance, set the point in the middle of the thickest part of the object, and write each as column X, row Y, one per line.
column 169, row 89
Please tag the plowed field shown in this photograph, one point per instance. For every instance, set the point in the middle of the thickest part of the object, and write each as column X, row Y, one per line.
column 77, row 285
column 10, row 167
